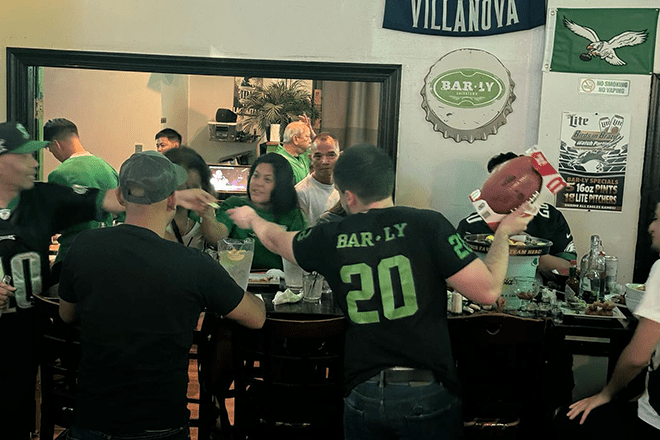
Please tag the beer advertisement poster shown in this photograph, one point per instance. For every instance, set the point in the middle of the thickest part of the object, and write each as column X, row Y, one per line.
column 593, row 155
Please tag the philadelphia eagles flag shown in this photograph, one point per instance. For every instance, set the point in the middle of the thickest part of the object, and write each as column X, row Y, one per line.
column 604, row 40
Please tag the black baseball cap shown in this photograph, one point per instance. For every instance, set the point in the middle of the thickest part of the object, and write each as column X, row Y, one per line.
column 15, row 139
column 149, row 177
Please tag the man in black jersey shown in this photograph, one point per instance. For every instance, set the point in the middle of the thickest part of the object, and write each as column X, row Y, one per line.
column 548, row 224
column 30, row 213
column 138, row 298
column 388, row 267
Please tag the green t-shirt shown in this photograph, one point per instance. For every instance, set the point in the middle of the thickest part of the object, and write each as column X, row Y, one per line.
column 300, row 165
column 88, row 171
column 293, row 220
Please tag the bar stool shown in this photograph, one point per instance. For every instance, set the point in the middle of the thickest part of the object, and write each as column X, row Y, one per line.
column 289, row 377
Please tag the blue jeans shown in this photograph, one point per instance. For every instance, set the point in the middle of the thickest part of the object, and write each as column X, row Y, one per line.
column 182, row 433
column 401, row 411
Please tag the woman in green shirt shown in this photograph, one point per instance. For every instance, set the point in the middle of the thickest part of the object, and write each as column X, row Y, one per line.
column 272, row 195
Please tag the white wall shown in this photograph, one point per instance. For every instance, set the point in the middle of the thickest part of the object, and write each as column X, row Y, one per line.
column 433, row 172
column 618, row 230
column 174, row 103
column 103, row 106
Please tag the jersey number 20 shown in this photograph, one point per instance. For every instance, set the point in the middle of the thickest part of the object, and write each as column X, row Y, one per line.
column 384, row 279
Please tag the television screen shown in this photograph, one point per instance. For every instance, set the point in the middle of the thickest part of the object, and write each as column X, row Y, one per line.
column 230, row 179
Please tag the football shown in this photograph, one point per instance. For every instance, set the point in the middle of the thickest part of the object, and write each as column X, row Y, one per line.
column 511, row 184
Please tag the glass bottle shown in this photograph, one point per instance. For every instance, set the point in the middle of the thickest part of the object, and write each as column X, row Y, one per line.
column 592, row 273
column 573, row 281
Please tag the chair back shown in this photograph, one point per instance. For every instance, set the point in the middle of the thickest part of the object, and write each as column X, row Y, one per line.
column 60, row 356
column 290, row 372
column 500, row 363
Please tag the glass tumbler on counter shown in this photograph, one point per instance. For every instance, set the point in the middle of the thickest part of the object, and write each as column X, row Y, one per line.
column 312, row 287
column 526, row 288
column 236, row 257
column 293, row 276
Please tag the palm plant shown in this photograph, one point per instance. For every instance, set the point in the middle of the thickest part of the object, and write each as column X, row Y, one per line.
column 277, row 103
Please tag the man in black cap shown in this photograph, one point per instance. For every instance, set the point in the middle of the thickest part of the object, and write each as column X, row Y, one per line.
column 30, row 213
column 138, row 298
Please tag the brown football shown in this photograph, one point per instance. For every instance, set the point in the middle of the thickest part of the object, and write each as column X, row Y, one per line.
column 511, row 184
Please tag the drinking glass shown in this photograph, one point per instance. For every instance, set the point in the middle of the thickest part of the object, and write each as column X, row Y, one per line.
column 235, row 256
column 312, row 287
column 293, row 276
column 526, row 288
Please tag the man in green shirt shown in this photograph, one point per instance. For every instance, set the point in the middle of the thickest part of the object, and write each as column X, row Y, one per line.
column 78, row 168
column 296, row 141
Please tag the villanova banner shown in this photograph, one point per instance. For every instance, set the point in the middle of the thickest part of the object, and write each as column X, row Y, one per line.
column 463, row 18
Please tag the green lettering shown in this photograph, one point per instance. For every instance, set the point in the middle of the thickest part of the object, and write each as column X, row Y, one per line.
column 460, row 248
column 366, row 239
column 367, row 282
column 341, row 241
column 400, row 227
column 402, row 265
column 365, row 293
column 353, row 241
column 388, row 235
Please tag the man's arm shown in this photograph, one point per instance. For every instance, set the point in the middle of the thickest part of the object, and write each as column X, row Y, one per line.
column 68, row 311
column 634, row 358
column 271, row 235
column 549, row 262
column 196, row 199
column 250, row 312
column 482, row 281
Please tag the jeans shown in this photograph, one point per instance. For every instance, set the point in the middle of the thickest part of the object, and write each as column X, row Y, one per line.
column 402, row 411
column 182, row 433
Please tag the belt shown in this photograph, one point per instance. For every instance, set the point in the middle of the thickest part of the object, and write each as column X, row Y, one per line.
column 403, row 375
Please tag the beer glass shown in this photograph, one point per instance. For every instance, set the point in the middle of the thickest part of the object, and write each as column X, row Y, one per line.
column 235, row 256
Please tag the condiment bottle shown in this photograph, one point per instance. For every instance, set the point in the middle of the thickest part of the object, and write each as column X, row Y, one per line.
column 592, row 273
column 573, row 282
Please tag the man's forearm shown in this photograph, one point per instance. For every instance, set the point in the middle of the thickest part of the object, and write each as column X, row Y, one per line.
column 110, row 202
column 549, row 262
column 624, row 372
column 274, row 238
column 497, row 259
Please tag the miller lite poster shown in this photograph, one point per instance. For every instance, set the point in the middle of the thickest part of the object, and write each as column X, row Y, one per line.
column 592, row 159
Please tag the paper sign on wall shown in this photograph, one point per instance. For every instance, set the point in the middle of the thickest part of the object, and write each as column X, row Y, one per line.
column 593, row 156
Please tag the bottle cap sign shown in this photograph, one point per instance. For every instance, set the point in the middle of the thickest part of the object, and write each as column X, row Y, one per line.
column 467, row 95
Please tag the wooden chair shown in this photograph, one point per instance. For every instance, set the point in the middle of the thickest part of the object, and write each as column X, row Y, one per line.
column 289, row 377
column 500, row 363
column 200, row 353
column 60, row 356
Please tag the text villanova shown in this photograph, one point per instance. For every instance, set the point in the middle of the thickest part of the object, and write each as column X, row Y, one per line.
column 463, row 18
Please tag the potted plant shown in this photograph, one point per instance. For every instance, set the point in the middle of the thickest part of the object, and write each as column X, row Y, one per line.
column 279, row 102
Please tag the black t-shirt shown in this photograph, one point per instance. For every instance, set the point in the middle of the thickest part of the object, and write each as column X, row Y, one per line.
column 26, row 229
column 548, row 224
column 139, row 298
column 387, row 269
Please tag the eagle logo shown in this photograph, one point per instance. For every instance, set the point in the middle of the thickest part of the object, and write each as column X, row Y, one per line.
column 605, row 49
